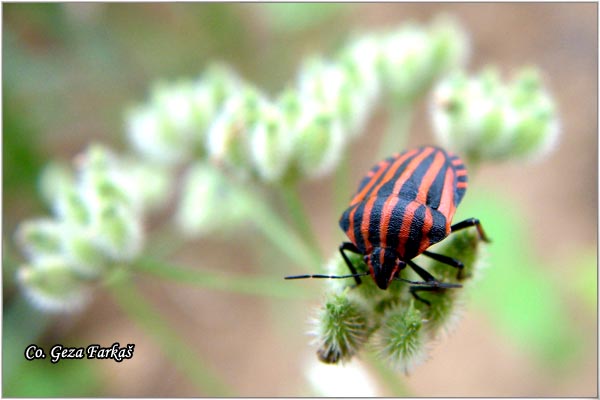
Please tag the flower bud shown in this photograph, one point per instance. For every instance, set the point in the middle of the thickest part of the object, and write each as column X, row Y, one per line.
column 339, row 90
column 318, row 142
column 228, row 136
column 81, row 251
column 171, row 128
column 39, row 237
column 208, row 95
column 69, row 206
column 270, row 144
column 153, row 137
column 401, row 339
column 413, row 57
column 487, row 120
column 206, row 191
column 55, row 179
column 446, row 305
column 341, row 328
column 404, row 63
column 147, row 185
column 361, row 58
column 51, row 285
column 118, row 232
column 448, row 44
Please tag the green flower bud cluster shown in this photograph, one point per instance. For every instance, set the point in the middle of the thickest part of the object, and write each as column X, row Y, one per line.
column 392, row 323
column 96, row 224
column 486, row 119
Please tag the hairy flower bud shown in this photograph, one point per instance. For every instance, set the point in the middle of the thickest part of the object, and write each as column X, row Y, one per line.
column 39, row 237
column 51, row 285
column 270, row 144
column 401, row 339
column 318, row 142
column 229, row 135
column 341, row 328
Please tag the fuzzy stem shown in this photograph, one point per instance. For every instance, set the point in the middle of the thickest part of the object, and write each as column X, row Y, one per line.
column 251, row 285
column 289, row 191
column 133, row 303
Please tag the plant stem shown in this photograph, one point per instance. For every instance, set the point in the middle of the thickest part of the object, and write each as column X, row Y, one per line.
column 252, row 285
column 388, row 376
column 394, row 139
column 289, row 191
column 164, row 241
column 280, row 234
column 138, row 309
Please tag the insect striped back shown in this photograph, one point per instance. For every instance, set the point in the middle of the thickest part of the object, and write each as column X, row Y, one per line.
column 406, row 202
column 402, row 206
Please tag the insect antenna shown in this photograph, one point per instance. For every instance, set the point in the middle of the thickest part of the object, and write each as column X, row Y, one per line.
column 320, row 276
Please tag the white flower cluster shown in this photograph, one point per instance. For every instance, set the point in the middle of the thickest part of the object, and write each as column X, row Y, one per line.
column 414, row 58
column 221, row 120
column 302, row 132
column 171, row 128
column 96, row 224
column 486, row 119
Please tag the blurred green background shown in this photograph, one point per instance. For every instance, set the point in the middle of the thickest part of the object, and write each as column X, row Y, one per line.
column 70, row 71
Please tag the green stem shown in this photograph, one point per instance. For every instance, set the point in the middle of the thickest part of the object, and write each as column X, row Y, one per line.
column 391, row 379
column 23, row 325
column 138, row 309
column 280, row 234
column 252, row 285
column 394, row 139
column 289, row 191
column 164, row 241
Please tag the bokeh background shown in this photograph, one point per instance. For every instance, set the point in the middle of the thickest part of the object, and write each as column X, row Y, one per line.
column 529, row 328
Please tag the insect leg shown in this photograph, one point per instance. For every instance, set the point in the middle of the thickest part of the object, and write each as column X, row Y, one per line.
column 430, row 285
column 421, row 272
column 350, row 247
column 468, row 223
column 415, row 289
column 453, row 262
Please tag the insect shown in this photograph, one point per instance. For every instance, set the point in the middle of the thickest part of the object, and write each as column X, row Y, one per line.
column 402, row 206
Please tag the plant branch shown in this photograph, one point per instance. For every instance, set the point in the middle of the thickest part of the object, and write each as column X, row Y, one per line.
column 390, row 378
column 138, row 309
column 251, row 285
column 274, row 228
column 291, row 197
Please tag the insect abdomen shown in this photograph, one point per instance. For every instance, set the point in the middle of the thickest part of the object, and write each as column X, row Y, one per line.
column 406, row 202
column 406, row 226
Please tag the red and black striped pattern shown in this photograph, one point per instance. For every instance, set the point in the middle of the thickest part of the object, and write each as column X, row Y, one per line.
column 406, row 202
